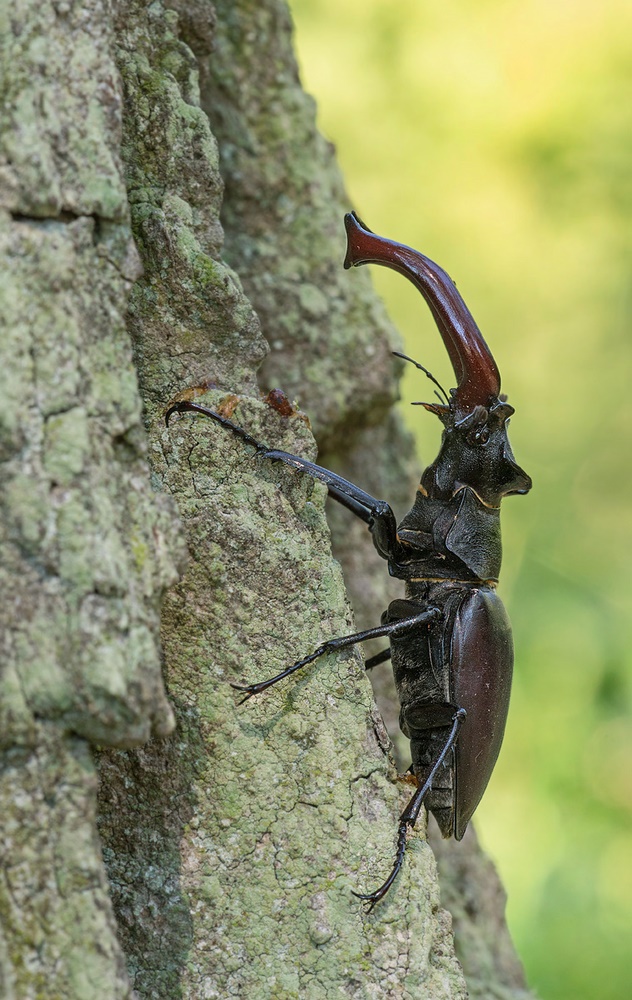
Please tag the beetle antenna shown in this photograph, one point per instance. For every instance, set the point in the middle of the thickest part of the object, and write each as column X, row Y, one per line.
column 419, row 402
column 428, row 374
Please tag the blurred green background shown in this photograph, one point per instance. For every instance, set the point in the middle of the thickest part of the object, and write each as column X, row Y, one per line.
column 496, row 137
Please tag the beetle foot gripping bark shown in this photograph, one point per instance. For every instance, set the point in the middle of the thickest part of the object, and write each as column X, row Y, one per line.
column 449, row 639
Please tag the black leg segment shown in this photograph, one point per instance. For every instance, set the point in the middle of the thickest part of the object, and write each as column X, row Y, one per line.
column 389, row 629
column 382, row 657
column 411, row 812
column 376, row 513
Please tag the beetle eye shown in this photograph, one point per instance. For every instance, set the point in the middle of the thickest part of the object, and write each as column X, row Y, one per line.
column 478, row 436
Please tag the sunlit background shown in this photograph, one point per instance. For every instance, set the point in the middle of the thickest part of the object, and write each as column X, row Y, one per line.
column 496, row 136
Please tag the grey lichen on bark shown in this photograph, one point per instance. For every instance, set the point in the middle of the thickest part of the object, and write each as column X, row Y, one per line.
column 86, row 547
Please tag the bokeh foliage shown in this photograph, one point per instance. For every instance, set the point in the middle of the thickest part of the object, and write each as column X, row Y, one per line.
column 496, row 136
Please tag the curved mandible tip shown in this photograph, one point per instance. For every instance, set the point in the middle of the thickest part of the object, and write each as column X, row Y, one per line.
column 478, row 378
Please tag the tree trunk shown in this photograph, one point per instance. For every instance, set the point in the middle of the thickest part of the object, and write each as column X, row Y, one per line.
column 233, row 837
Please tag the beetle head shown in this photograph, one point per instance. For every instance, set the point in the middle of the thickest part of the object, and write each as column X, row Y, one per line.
column 475, row 450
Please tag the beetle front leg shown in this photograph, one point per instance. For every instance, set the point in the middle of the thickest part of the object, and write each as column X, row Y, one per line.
column 375, row 513
column 409, row 816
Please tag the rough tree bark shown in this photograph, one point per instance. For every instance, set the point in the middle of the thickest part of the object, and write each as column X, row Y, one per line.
column 233, row 836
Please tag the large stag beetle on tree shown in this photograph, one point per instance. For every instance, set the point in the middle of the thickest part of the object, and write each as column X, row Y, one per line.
column 450, row 638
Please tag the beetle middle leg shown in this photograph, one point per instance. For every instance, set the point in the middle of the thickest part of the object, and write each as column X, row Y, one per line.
column 387, row 629
column 381, row 657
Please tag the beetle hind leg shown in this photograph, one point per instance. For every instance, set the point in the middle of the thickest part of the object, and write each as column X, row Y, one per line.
column 441, row 798
column 409, row 816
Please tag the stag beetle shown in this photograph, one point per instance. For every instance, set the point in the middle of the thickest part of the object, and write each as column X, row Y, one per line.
column 450, row 638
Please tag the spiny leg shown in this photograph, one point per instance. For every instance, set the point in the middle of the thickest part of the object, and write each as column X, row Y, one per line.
column 359, row 502
column 389, row 629
column 186, row 405
column 376, row 513
column 411, row 812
